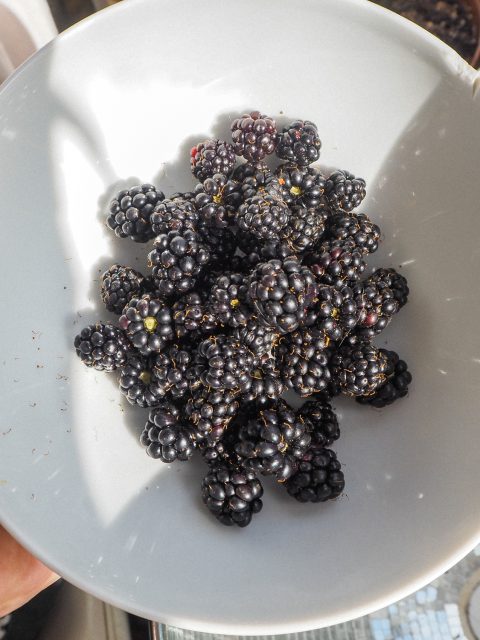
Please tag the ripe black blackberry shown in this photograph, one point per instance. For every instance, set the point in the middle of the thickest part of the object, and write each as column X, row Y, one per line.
column 344, row 191
column 319, row 477
column 210, row 412
column 376, row 304
column 102, row 346
column 273, row 442
column 259, row 339
column 210, row 157
column 255, row 179
column 174, row 215
column 335, row 312
column 224, row 363
column 396, row 385
column 221, row 245
column 119, row 286
column 299, row 142
column 266, row 384
column 216, row 200
column 164, row 435
column 231, row 494
column 302, row 185
column 263, row 215
column 176, row 261
column 336, row 262
column 192, row 318
column 305, row 227
column 357, row 227
column 394, row 281
column 138, row 382
column 129, row 214
column 172, row 369
column 281, row 293
column 302, row 361
column 322, row 417
column 148, row 324
column 359, row 370
column 254, row 136
column 228, row 299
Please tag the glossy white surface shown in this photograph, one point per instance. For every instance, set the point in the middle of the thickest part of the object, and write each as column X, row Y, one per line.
column 121, row 98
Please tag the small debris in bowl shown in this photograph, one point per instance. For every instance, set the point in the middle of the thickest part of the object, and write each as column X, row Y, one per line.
column 257, row 286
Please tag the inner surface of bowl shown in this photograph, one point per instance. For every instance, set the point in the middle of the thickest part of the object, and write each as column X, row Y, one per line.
column 120, row 100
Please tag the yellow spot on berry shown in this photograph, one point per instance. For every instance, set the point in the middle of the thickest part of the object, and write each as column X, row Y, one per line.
column 234, row 303
column 281, row 181
column 145, row 377
column 217, row 199
column 150, row 323
column 335, row 313
column 296, row 191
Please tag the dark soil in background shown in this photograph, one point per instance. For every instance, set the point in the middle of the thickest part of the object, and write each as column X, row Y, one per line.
column 450, row 20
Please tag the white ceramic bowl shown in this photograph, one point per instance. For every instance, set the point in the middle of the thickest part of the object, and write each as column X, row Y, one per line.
column 120, row 98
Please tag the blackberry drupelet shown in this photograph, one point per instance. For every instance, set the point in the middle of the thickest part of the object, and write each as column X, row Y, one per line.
column 319, row 477
column 281, row 293
column 176, row 261
column 299, row 142
column 224, row 363
column 302, row 185
column 394, row 281
column 303, row 363
column 148, row 324
column 377, row 306
column 102, row 346
column 174, row 215
column 210, row 157
column 216, row 200
column 357, row 227
column 254, row 136
column 305, row 227
column 228, row 299
column 319, row 413
column 359, row 370
column 172, row 369
column 273, row 442
column 395, row 387
column 165, row 436
column 231, row 494
column 191, row 317
column 263, row 215
column 210, row 412
column 129, row 214
column 344, row 191
column 256, row 337
column 336, row 262
column 119, row 286
column 138, row 382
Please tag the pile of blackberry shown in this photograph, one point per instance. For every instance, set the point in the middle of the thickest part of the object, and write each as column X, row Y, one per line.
column 258, row 289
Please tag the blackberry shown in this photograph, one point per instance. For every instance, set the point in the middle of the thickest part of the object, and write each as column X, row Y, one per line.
column 319, row 413
column 176, row 261
column 210, row 157
column 304, row 228
column 224, row 363
column 210, row 412
column 172, row 369
column 174, row 215
column 394, row 281
column 254, row 136
column 130, row 211
column 273, row 442
column 191, row 317
column 231, row 494
column 221, row 245
column 299, row 143
column 119, row 286
column 336, row 262
column 335, row 312
column 377, row 306
column 102, row 346
column 396, row 385
column 262, row 215
column 359, row 370
column 266, row 384
column 139, row 384
column 319, row 477
column 357, row 227
column 227, row 299
column 164, row 435
column 147, row 323
column 281, row 293
column 300, row 185
column 344, row 191
column 216, row 200
column 255, row 179
column 259, row 339
column 303, row 363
